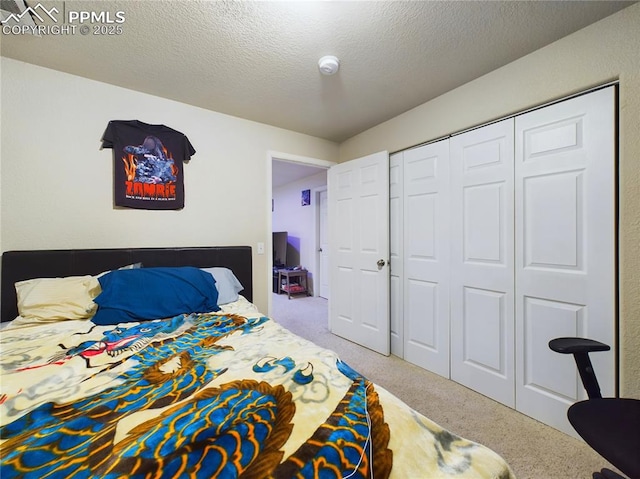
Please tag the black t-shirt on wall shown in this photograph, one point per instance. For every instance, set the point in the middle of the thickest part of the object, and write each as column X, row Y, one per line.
column 148, row 161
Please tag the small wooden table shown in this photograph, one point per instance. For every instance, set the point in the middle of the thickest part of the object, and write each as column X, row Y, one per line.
column 288, row 274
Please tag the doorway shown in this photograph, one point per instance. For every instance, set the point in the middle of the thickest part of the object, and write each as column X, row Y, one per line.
column 295, row 186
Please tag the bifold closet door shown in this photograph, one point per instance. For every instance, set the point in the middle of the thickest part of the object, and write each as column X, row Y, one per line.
column 482, row 270
column 565, row 251
column 396, row 266
column 426, row 256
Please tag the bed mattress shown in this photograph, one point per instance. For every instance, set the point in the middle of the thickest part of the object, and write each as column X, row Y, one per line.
column 224, row 394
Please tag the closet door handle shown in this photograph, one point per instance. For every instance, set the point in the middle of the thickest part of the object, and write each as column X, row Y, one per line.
column 380, row 264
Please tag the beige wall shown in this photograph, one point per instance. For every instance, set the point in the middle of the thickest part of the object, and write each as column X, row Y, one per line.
column 56, row 183
column 1, row 161
column 608, row 50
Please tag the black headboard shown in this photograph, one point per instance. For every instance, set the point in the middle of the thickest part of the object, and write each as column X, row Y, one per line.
column 21, row 265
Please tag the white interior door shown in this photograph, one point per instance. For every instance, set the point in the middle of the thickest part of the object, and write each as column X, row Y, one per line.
column 395, row 251
column 324, row 244
column 482, row 271
column 565, row 251
column 359, row 251
column 426, row 256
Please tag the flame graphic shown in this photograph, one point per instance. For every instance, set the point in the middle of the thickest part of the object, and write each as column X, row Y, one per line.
column 130, row 166
column 169, row 156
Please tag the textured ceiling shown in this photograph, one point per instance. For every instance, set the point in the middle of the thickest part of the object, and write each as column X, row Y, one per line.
column 258, row 60
column 285, row 172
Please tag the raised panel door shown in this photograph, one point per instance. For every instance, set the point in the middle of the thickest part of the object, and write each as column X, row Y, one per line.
column 482, row 271
column 565, row 252
column 426, row 256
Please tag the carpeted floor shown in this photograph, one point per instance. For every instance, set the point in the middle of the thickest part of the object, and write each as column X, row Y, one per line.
column 534, row 450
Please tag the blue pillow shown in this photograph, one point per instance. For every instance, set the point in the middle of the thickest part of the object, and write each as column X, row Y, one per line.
column 153, row 293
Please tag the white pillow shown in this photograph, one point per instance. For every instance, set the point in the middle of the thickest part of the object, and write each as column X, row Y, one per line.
column 56, row 299
column 227, row 284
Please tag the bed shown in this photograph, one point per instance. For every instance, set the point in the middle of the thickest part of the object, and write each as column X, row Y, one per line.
column 220, row 393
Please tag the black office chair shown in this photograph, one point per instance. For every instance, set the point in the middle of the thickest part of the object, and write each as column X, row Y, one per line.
column 611, row 426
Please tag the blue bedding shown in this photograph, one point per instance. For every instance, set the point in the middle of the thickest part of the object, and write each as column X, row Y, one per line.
column 150, row 293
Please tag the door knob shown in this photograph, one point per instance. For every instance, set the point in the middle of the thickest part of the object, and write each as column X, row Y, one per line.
column 380, row 263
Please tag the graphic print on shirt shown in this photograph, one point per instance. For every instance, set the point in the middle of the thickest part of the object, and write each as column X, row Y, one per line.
column 150, row 170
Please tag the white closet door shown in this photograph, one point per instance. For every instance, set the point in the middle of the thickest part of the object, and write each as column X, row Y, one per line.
column 426, row 256
column 395, row 249
column 565, row 256
column 482, row 271
column 359, row 251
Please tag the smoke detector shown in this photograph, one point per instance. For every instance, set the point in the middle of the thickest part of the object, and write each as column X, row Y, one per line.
column 328, row 65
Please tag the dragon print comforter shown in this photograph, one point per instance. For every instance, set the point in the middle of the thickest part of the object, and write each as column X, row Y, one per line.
column 223, row 395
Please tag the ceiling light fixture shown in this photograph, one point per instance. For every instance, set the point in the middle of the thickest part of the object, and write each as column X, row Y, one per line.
column 328, row 65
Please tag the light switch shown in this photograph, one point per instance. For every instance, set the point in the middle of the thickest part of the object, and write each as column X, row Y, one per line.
column 261, row 248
